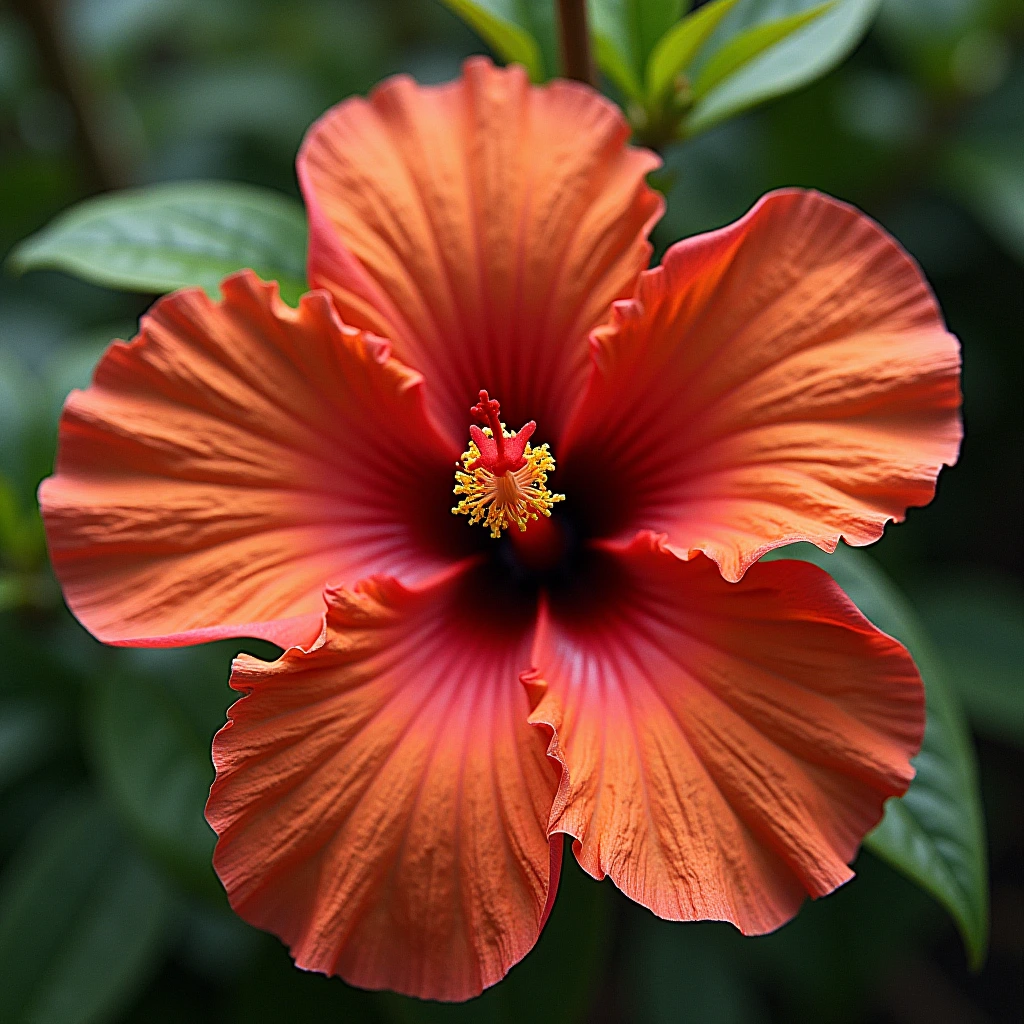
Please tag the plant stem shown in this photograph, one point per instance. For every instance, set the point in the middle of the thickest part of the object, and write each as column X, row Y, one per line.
column 574, row 36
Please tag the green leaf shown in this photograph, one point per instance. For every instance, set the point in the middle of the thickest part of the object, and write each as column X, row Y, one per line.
column 82, row 920
column 678, row 47
column 613, row 50
column 790, row 63
column 510, row 28
column 559, row 974
column 180, row 235
column 651, row 19
column 625, row 33
column 742, row 49
column 154, row 765
column 935, row 832
column 978, row 625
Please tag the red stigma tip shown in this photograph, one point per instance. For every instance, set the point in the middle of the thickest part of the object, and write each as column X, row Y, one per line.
column 486, row 410
column 498, row 453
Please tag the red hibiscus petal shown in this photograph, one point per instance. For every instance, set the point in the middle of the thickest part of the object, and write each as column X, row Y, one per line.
column 381, row 801
column 786, row 378
column 233, row 459
column 483, row 226
column 726, row 746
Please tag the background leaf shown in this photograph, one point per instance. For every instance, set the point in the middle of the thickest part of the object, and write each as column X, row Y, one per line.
column 81, row 921
column 796, row 61
column 180, row 235
column 743, row 48
column 681, row 44
column 614, row 46
column 625, row 34
column 935, row 833
column 520, row 31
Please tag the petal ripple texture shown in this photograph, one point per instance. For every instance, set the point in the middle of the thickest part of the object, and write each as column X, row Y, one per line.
column 726, row 745
column 484, row 227
column 786, row 378
column 229, row 462
column 382, row 802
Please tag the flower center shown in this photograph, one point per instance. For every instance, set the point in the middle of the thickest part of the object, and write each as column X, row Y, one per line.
column 503, row 478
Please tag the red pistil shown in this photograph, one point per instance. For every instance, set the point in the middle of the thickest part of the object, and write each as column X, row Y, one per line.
column 498, row 453
column 502, row 478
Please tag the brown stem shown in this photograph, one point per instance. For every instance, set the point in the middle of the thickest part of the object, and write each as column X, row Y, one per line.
column 574, row 37
column 63, row 74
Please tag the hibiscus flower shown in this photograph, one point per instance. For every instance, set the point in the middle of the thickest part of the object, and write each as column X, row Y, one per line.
column 456, row 696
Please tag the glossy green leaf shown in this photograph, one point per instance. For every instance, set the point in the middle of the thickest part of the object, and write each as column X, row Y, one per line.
column 935, row 833
column 651, row 19
column 172, row 236
column 559, row 974
column 742, row 49
column 614, row 54
column 154, row 764
column 82, row 920
column 978, row 626
column 790, row 63
column 625, row 34
column 678, row 47
column 510, row 28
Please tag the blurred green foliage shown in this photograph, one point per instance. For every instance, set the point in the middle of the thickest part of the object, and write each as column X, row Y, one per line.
column 109, row 910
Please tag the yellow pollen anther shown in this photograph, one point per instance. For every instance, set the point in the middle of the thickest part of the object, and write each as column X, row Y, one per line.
column 515, row 496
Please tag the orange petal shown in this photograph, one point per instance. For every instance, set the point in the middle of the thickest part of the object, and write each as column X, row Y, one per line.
column 483, row 226
column 229, row 462
column 381, row 802
column 786, row 378
column 726, row 745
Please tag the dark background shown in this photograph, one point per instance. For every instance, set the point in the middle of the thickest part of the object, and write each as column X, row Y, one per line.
column 104, row 754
